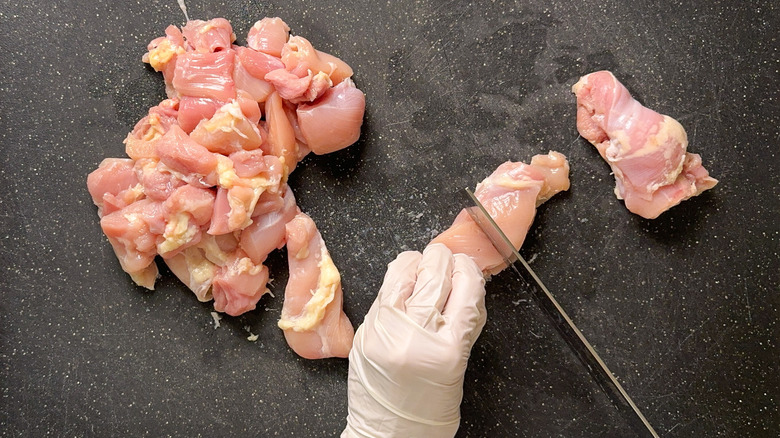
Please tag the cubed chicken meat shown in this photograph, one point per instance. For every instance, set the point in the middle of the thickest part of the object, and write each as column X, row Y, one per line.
column 205, row 187
column 268, row 36
column 333, row 122
column 208, row 36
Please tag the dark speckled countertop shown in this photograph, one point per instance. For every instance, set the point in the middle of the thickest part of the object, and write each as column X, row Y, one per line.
column 683, row 308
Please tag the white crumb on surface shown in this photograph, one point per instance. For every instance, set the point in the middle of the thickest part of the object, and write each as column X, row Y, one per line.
column 183, row 9
column 216, row 317
column 252, row 337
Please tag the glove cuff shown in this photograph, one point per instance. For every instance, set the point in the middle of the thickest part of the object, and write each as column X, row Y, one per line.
column 393, row 426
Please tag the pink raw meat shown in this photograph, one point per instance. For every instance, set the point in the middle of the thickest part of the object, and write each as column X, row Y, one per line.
column 268, row 36
column 313, row 321
column 194, row 270
column 333, row 121
column 237, row 196
column 162, row 53
column 238, row 285
column 182, row 154
column 266, row 232
column 250, row 163
column 186, row 212
column 133, row 232
column 157, row 179
column 228, row 131
column 257, row 64
column 233, row 208
column 112, row 183
column 205, row 75
column 209, row 36
column 299, row 55
column 510, row 195
column 140, row 142
column 194, row 109
column 206, row 187
column 646, row 150
column 257, row 88
column 289, row 85
column 281, row 135
column 196, row 266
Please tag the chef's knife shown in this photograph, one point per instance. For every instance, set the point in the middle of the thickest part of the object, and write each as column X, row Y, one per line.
column 565, row 326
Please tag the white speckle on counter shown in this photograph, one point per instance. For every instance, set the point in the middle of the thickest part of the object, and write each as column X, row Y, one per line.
column 216, row 317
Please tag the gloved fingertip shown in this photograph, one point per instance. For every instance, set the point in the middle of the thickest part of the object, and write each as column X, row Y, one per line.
column 434, row 282
column 400, row 278
column 437, row 260
column 410, row 253
column 467, row 265
column 404, row 260
column 465, row 307
column 438, row 250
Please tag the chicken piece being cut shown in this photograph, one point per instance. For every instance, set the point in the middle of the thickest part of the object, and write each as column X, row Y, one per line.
column 647, row 151
column 313, row 321
column 510, row 195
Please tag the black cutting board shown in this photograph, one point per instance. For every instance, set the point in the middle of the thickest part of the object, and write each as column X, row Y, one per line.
column 683, row 308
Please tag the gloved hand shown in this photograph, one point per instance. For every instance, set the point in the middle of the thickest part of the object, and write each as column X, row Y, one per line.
column 409, row 356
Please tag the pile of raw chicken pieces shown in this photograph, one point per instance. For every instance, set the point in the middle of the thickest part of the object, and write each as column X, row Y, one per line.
column 205, row 186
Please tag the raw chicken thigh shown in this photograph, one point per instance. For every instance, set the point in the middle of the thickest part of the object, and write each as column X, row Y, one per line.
column 646, row 150
column 313, row 322
column 510, row 195
column 205, row 187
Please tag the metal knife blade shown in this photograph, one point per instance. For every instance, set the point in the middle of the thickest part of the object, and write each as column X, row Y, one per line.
column 558, row 317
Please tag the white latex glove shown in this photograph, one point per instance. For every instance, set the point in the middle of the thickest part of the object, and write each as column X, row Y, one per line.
column 409, row 356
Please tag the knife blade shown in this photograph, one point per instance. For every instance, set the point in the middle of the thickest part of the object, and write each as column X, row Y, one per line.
column 582, row 349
